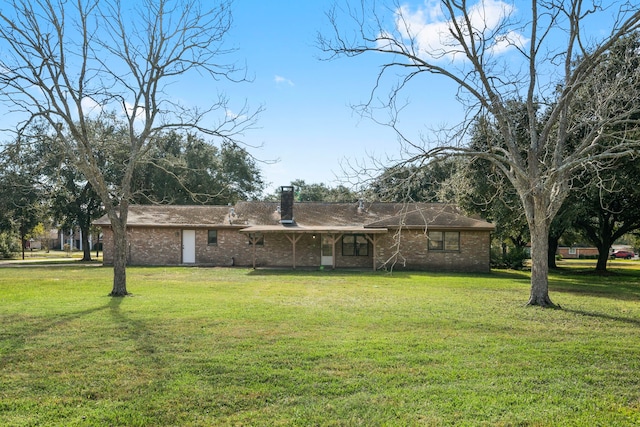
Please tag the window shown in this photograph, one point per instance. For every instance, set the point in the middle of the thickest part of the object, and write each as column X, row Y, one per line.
column 256, row 238
column 212, row 238
column 444, row 241
column 355, row 245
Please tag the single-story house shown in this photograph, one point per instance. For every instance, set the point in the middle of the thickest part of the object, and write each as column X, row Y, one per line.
column 418, row 236
column 575, row 252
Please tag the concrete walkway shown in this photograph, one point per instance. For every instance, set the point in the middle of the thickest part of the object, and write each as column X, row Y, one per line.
column 47, row 262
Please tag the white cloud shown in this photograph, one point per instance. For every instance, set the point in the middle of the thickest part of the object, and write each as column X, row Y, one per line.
column 283, row 80
column 90, row 107
column 139, row 112
column 231, row 116
column 508, row 41
column 429, row 29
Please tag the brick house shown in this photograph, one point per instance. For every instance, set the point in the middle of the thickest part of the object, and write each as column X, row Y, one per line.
column 576, row 252
column 377, row 235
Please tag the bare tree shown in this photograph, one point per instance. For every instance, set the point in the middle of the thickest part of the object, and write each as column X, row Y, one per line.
column 541, row 56
column 66, row 62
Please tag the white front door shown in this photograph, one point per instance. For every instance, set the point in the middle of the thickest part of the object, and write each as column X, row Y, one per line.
column 326, row 255
column 188, row 246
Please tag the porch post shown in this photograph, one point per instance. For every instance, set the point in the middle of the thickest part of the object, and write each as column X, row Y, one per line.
column 294, row 239
column 253, row 239
column 373, row 239
column 336, row 237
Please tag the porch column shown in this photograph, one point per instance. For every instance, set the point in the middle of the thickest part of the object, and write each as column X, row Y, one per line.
column 253, row 239
column 335, row 237
column 294, row 239
column 373, row 239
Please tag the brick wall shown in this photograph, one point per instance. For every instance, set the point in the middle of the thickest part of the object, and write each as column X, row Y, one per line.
column 578, row 252
column 152, row 246
column 409, row 251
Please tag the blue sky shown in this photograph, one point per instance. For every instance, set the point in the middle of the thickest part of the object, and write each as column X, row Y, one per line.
column 308, row 123
column 308, row 129
column 308, row 126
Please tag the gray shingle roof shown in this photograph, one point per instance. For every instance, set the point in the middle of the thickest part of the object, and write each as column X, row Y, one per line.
column 306, row 214
column 173, row 216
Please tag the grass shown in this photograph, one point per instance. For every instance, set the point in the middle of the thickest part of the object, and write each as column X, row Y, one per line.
column 200, row 347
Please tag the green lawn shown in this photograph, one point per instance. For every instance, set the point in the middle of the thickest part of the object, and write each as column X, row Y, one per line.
column 200, row 347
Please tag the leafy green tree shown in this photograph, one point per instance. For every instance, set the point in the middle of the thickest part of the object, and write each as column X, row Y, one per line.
column 416, row 184
column 187, row 170
column 21, row 195
column 609, row 206
column 609, row 188
column 75, row 203
column 321, row 193
column 70, row 199
column 489, row 193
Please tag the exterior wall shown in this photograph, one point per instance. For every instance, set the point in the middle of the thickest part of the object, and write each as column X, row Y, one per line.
column 278, row 251
column 576, row 252
column 163, row 246
column 147, row 246
column 107, row 246
column 154, row 246
column 473, row 256
column 232, row 248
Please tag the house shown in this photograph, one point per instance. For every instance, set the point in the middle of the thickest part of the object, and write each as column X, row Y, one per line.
column 418, row 236
column 575, row 252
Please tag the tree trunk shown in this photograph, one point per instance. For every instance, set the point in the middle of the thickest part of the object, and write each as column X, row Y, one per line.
column 22, row 241
column 119, row 259
column 553, row 248
column 86, row 249
column 603, row 257
column 540, row 265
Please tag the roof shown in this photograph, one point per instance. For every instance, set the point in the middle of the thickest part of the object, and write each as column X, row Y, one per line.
column 309, row 217
column 311, row 229
column 174, row 216
column 433, row 216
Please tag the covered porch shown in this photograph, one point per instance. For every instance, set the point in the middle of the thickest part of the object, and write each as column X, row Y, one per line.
column 328, row 237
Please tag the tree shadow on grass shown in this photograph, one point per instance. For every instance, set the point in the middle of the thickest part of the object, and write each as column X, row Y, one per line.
column 17, row 330
column 632, row 321
column 135, row 329
column 618, row 285
column 617, row 290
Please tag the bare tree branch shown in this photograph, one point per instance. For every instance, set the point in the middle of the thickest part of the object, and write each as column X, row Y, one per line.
column 66, row 62
column 542, row 56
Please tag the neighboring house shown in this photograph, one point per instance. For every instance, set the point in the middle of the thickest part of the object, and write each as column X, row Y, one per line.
column 575, row 252
column 417, row 236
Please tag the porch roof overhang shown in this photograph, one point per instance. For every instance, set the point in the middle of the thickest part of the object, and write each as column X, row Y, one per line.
column 319, row 229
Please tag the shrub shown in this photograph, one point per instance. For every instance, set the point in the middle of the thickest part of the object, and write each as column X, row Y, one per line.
column 513, row 259
column 8, row 245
